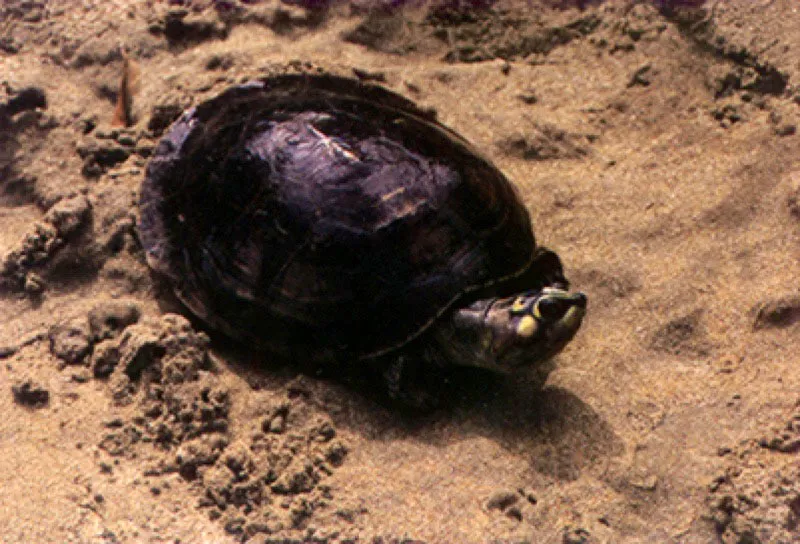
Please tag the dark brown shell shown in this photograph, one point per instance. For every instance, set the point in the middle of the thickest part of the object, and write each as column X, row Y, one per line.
column 317, row 216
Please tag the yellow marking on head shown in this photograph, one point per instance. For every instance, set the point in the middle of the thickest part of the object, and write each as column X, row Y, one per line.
column 518, row 305
column 527, row 326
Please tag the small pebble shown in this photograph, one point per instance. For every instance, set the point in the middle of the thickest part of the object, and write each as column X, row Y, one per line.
column 31, row 394
column 514, row 513
column 501, row 500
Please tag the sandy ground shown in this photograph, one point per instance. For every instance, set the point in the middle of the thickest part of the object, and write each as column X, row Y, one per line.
column 656, row 148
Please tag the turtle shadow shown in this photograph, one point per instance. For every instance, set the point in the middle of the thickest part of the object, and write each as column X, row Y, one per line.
column 558, row 433
column 554, row 429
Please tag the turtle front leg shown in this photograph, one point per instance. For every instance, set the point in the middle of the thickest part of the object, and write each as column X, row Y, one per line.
column 414, row 381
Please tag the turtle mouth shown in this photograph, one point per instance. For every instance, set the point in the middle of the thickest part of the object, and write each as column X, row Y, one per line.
column 565, row 328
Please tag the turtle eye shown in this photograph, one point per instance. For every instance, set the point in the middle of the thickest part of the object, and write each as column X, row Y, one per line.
column 519, row 305
column 548, row 309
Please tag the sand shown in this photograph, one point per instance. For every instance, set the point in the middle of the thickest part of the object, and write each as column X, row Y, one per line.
column 656, row 146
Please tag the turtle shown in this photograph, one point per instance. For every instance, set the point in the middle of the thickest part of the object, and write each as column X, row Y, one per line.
column 328, row 220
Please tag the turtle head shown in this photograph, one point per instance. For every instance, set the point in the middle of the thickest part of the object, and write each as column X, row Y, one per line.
column 518, row 331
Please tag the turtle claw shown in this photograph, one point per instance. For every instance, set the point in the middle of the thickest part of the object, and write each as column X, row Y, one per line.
column 410, row 386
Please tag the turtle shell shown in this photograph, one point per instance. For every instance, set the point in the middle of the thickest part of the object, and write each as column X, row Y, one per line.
column 318, row 216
